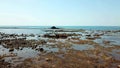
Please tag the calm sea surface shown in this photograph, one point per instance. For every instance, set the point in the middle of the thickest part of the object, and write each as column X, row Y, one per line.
column 40, row 29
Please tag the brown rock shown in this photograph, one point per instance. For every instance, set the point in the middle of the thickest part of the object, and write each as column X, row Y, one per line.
column 11, row 49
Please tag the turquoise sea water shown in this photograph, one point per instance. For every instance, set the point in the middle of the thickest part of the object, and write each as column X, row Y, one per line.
column 39, row 29
column 66, row 27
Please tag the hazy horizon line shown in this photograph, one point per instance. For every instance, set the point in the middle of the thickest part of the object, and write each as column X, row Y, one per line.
column 53, row 25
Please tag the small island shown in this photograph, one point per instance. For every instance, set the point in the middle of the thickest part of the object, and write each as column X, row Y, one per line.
column 53, row 27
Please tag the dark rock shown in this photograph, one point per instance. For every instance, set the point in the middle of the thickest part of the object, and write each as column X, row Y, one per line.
column 43, row 42
column 41, row 49
column 90, row 38
column 63, row 36
column 88, row 35
column 11, row 49
column 17, row 48
column 34, row 46
column 21, row 48
column 2, row 60
column 38, row 35
column 53, row 27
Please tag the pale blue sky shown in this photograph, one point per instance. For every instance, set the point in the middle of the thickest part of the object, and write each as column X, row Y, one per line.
column 60, row 12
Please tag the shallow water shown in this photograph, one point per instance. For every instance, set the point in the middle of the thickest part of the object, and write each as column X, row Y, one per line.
column 61, row 46
column 82, row 47
column 40, row 29
column 26, row 53
column 18, row 54
column 113, row 40
column 49, row 48
column 32, row 38
column 3, row 50
column 20, row 31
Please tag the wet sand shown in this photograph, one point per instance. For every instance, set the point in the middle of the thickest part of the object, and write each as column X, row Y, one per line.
column 59, row 48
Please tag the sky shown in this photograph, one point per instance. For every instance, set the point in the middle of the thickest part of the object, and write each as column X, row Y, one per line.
column 60, row 12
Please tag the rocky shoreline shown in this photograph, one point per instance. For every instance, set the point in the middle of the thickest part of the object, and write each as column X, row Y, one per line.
column 59, row 48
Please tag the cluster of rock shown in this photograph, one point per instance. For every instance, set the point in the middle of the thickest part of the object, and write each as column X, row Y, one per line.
column 15, row 41
column 63, row 36
column 21, row 43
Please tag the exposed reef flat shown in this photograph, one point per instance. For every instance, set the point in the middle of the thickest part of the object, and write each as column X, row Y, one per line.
column 61, row 48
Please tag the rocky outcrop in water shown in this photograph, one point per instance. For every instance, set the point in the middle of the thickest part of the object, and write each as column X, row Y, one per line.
column 53, row 27
column 63, row 36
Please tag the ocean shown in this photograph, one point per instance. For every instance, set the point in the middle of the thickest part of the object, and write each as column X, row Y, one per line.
column 40, row 29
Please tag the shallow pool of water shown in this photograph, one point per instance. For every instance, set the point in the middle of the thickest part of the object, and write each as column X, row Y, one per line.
column 82, row 47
